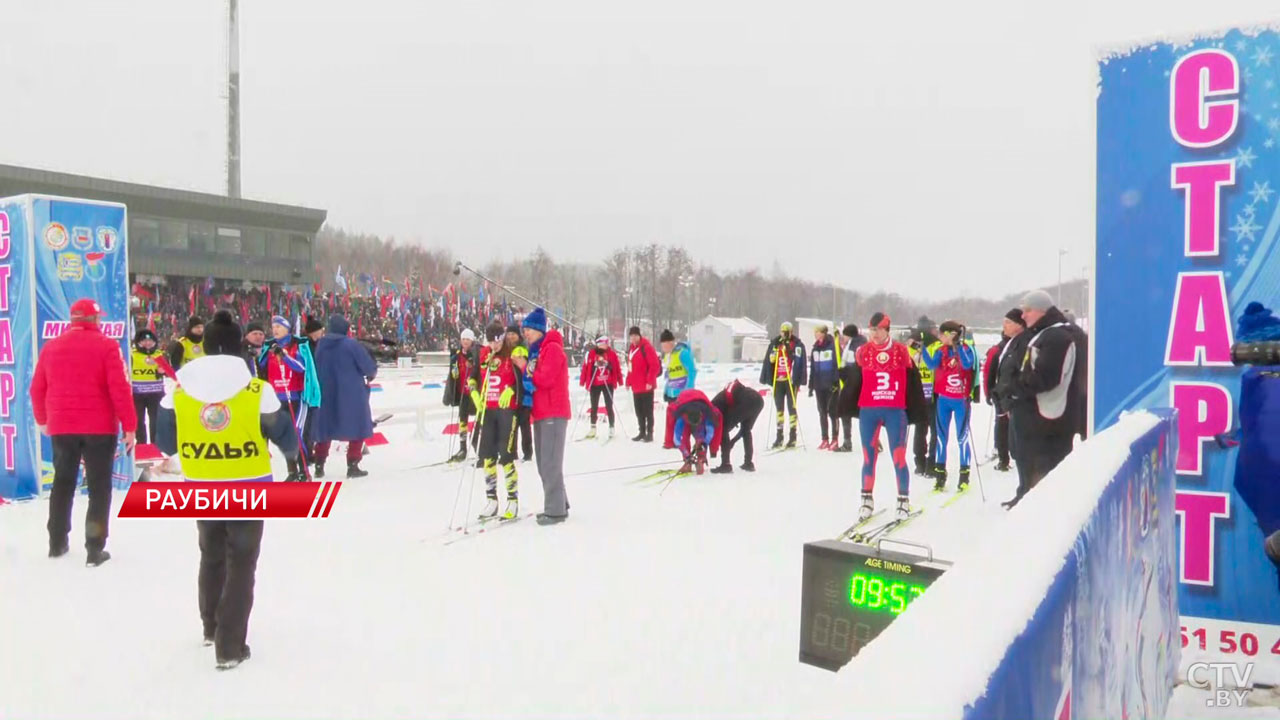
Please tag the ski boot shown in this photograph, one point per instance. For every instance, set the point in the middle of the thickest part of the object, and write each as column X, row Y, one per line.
column 846, row 447
column 826, row 444
column 868, row 507
column 591, row 434
column 1002, row 467
column 460, row 455
column 964, row 480
column 722, row 469
column 490, row 509
column 904, row 507
column 639, row 437
column 791, row 440
column 512, row 511
column 777, row 441
column 319, row 471
column 748, row 466
column 354, row 471
column 610, row 432
column 939, row 479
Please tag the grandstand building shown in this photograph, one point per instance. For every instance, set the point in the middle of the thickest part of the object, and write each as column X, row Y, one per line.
column 179, row 233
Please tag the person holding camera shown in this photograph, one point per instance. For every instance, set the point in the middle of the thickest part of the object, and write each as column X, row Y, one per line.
column 952, row 361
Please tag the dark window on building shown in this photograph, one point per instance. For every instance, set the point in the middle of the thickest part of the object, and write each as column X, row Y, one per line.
column 277, row 244
column 200, row 237
column 254, row 242
column 228, row 241
column 300, row 248
column 144, row 232
column 173, row 235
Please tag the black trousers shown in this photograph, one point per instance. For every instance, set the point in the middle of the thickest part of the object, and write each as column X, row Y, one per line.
column 825, row 415
column 98, row 453
column 525, row 431
column 598, row 391
column 782, row 396
column 1002, row 438
column 748, row 446
column 1036, row 453
column 146, row 407
column 228, row 566
column 497, row 447
column 643, row 402
column 924, row 438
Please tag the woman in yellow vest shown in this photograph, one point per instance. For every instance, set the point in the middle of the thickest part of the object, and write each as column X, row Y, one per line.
column 218, row 419
column 148, row 382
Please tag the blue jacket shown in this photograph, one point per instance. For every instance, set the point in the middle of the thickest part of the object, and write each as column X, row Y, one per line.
column 824, row 374
column 690, row 367
column 343, row 366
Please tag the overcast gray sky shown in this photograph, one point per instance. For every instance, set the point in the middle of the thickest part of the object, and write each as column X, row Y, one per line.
column 927, row 148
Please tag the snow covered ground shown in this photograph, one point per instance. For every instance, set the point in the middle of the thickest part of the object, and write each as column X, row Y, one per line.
column 644, row 604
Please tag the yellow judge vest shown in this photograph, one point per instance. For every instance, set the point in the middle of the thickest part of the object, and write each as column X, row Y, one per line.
column 190, row 350
column 222, row 441
column 145, row 374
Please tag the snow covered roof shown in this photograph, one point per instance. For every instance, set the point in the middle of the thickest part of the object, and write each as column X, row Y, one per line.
column 740, row 325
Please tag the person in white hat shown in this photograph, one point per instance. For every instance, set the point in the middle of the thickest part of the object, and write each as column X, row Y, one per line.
column 464, row 366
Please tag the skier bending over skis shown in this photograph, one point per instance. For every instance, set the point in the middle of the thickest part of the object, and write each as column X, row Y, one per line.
column 739, row 407
column 697, row 426
column 881, row 396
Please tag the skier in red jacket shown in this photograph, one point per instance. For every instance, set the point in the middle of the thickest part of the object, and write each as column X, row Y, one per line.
column 601, row 375
column 642, row 378
column 81, row 398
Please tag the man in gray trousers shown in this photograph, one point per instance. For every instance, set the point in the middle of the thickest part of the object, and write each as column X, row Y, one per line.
column 549, row 369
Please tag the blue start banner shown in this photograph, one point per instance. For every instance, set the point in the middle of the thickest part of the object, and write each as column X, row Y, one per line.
column 1103, row 642
column 1188, row 212
column 53, row 251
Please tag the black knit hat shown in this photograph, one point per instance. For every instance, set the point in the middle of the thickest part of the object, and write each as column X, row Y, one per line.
column 313, row 325
column 194, row 321
column 222, row 335
column 666, row 336
column 495, row 332
column 1016, row 316
column 850, row 330
column 950, row 326
column 254, row 327
column 144, row 334
column 635, row 330
column 513, row 329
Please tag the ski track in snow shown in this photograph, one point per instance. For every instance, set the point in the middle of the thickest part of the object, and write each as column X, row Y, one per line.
column 641, row 605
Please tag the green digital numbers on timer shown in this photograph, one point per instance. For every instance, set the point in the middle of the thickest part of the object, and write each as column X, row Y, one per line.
column 872, row 592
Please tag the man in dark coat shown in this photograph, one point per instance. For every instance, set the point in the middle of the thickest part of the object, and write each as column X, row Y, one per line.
column 464, row 366
column 739, row 407
column 824, row 377
column 996, row 357
column 1044, row 412
column 344, row 369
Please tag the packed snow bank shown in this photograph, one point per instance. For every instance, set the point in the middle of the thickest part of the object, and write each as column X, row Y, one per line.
column 1073, row 595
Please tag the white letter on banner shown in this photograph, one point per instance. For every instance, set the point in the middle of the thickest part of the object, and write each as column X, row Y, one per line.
column 259, row 500
column 153, row 496
column 220, row 499
column 240, row 497
column 186, row 495
column 169, row 502
column 202, row 499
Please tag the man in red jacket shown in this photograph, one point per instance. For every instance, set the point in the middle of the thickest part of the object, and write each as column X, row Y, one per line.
column 642, row 378
column 81, row 398
column 549, row 369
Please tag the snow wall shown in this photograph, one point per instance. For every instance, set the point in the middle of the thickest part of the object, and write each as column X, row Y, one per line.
column 53, row 251
column 1067, row 609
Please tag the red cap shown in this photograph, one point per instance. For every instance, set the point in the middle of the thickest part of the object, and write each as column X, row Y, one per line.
column 84, row 309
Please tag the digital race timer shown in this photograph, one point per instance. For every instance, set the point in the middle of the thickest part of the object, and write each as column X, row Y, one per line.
column 851, row 592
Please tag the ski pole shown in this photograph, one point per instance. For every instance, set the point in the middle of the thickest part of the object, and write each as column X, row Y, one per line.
column 573, row 432
column 302, row 460
column 618, row 469
column 617, row 412
column 968, row 421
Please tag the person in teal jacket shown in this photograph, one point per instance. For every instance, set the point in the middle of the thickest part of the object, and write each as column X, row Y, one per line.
column 680, row 370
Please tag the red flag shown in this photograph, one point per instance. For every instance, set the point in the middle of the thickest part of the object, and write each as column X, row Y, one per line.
column 193, row 300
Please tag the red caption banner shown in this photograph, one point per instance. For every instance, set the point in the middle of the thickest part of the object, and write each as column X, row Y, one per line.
column 229, row 500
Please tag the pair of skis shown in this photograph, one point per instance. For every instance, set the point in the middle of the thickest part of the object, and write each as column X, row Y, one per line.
column 485, row 526
column 866, row 531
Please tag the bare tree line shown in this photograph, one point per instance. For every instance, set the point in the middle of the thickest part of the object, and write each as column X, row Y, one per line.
column 657, row 286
